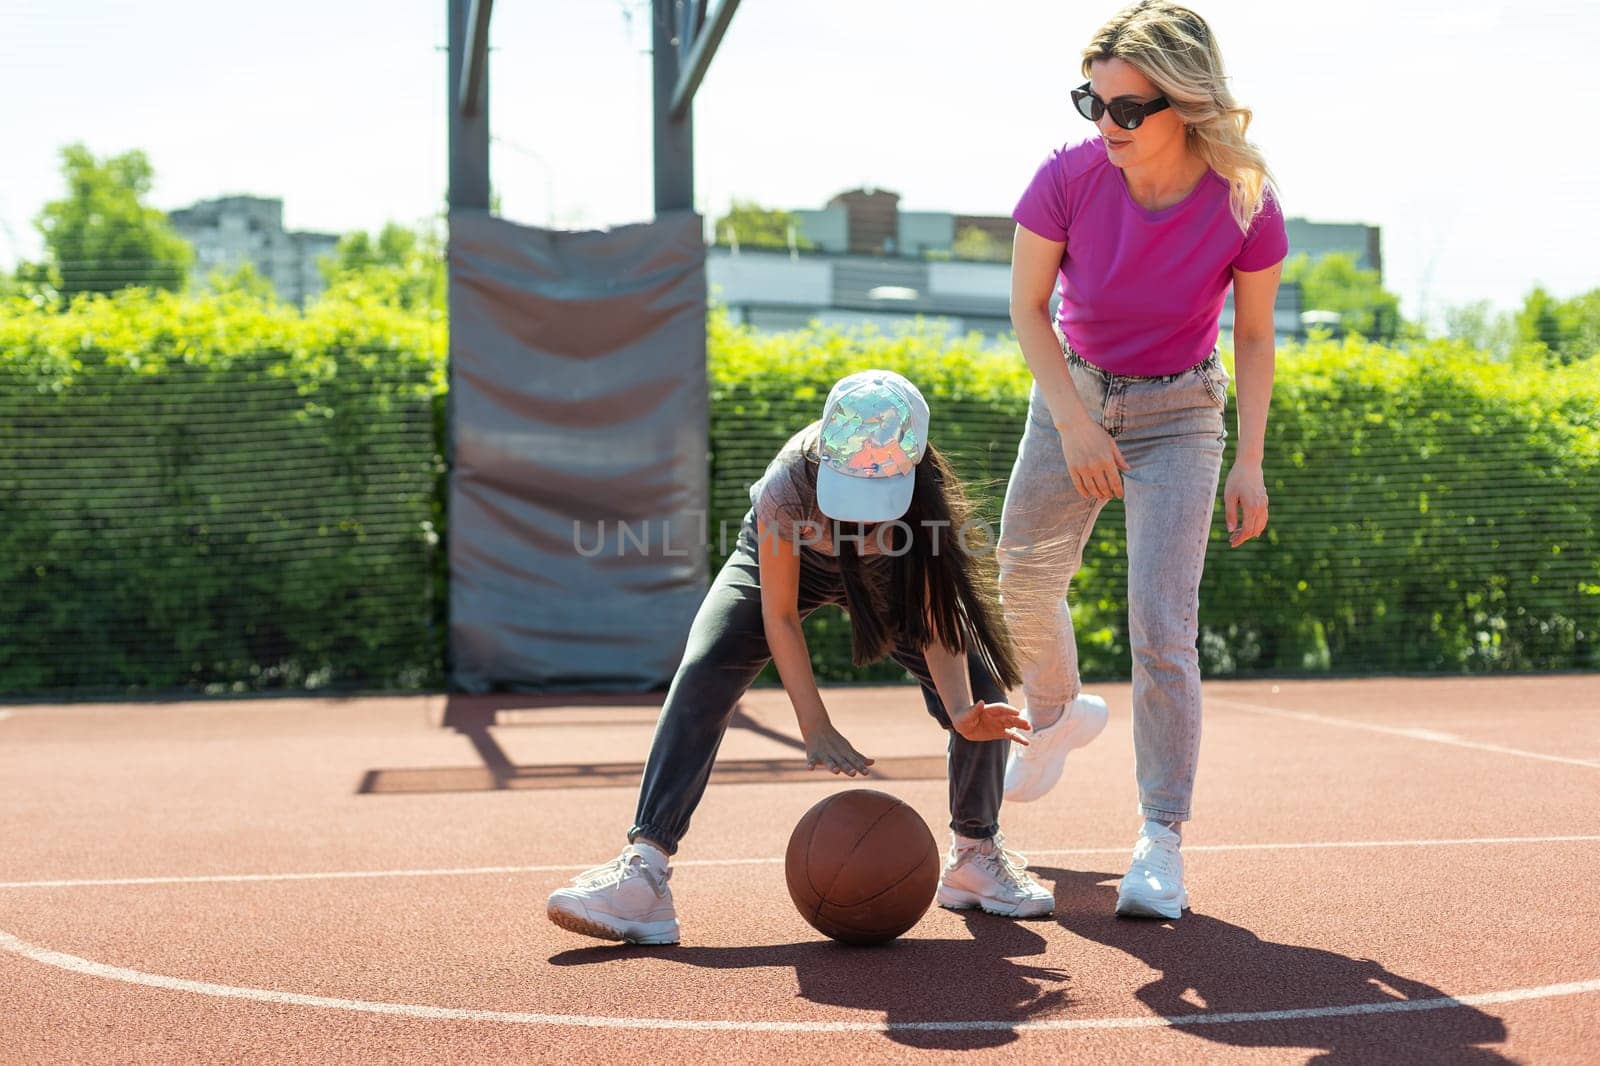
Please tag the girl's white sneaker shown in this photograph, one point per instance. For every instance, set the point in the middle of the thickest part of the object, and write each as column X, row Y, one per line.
column 626, row 899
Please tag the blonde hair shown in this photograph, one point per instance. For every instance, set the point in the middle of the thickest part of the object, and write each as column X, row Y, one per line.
column 1175, row 49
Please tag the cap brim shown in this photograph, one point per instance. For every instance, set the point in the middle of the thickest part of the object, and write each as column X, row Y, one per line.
column 863, row 499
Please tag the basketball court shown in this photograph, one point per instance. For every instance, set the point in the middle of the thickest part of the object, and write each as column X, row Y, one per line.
column 1381, row 870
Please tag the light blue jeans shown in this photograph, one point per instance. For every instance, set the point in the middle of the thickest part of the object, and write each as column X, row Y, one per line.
column 1170, row 430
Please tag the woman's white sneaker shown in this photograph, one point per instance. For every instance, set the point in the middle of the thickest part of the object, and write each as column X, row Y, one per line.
column 1153, row 885
column 987, row 874
column 626, row 899
column 1034, row 768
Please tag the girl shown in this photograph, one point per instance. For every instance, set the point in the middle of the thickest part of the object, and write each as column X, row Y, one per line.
column 1146, row 224
column 912, row 590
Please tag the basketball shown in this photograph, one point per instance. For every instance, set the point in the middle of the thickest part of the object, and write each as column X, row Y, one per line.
column 862, row 866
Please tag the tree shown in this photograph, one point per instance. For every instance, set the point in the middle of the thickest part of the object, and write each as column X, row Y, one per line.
column 1537, row 322
column 752, row 226
column 244, row 278
column 1582, row 323
column 1569, row 329
column 1335, row 283
column 1478, row 325
column 400, row 266
column 102, row 237
column 974, row 242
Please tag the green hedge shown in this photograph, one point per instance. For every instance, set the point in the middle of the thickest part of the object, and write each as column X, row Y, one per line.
column 227, row 494
column 1432, row 510
column 218, row 494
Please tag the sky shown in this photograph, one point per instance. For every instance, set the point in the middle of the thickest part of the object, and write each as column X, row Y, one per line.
column 1457, row 127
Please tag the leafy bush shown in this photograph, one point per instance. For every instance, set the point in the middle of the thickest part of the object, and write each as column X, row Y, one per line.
column 1432, row 509
column 226, row 493
column 217, row 493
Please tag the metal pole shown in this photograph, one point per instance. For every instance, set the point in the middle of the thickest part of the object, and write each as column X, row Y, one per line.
column 477, row 56
column 674, row 137
column 699, row 58
column 469, row 134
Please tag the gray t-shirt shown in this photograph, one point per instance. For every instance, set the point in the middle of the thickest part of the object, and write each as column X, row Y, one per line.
column 785, row 498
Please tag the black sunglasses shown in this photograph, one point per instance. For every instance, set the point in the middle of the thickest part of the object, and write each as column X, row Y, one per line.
column 1124, row 112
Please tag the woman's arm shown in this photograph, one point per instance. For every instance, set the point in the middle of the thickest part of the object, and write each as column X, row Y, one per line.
column 973, row 720
column 1092, row 456
column 1254, row 357
column 780, row 614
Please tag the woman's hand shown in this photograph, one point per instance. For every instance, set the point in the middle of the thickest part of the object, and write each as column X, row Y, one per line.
column 1093, row 459
column 990, row 721
column 1247, row 493
column 827, row 747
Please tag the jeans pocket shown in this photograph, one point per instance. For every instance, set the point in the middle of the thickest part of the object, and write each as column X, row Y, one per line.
column 1214, row 377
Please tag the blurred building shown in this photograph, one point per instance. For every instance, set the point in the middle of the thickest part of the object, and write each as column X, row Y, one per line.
column 233, row 230
column 861, row 259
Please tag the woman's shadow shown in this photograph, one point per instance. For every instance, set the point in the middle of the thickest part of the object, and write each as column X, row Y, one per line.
column 971, row 993
column 1208, row 967
column 929, row 991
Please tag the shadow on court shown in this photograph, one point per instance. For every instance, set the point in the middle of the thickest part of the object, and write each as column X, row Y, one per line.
column 1204, row 966
column 474, row 717
column 908, row 981
column 1208, row 966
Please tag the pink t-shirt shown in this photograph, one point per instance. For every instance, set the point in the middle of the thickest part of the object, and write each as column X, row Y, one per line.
column 1142, row 291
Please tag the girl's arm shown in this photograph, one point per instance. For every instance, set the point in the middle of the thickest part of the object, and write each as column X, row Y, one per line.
column 780, row 614
column 975, row 720
column 1254, row 356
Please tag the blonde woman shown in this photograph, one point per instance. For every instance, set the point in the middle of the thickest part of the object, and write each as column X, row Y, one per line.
column 1145, row 225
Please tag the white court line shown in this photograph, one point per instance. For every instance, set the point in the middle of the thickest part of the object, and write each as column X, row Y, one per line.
column 75, row 964
column 1431, row 735
column 4, row 715
column 476, row 871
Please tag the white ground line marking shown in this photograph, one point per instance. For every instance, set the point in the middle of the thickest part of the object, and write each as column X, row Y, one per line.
column 75, row 964
column 1431, row 735
column 478, row 871
column 4, row 715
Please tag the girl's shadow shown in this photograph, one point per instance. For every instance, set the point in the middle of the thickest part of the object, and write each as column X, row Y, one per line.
column 925, row 988
column 1230, row 969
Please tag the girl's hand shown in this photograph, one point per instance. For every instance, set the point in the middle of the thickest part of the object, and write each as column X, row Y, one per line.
column 990, row 721
column 1247, row 492
column 827, row 747
column 1093, row 459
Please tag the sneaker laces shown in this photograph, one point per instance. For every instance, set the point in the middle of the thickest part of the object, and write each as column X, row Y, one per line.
column 1010, row 867
column 1155, row 854
column 622, row 867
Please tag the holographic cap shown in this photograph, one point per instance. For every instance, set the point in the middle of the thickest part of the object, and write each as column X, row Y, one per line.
column 874, row 433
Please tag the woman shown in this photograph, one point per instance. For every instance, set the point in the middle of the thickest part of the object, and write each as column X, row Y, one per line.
column 912, row 590
column 1146, row 224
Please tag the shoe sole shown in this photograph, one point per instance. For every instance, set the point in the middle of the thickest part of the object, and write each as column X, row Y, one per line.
column 1135, row 908
column 577, row 923
column 955, row 900
column 1031, row 790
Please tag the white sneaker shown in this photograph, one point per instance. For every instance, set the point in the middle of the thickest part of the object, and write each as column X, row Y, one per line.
column 1153, row 885
column 990, row 876
column 626, row 899
column 1034, row 768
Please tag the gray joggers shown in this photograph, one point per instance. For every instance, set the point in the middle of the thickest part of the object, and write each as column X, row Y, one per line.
column 727, row 648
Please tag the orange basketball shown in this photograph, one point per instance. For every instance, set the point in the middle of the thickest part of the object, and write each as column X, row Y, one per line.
column 862, row 866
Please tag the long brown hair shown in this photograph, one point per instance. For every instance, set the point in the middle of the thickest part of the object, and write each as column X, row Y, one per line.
column 941, row 584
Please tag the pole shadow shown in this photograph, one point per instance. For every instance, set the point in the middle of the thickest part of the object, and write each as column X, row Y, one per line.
column 1208, row 966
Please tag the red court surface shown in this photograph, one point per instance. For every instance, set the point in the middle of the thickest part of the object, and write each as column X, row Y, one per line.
column 1381, row 871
